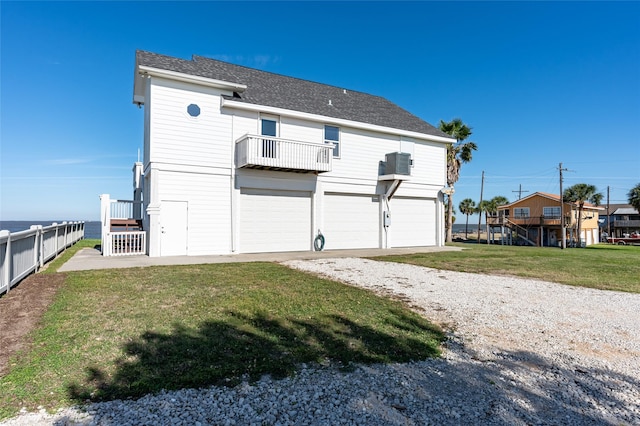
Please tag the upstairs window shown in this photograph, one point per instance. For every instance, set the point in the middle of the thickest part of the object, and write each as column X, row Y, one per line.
column 332, row 135
column 551, row 212
column 521, row 212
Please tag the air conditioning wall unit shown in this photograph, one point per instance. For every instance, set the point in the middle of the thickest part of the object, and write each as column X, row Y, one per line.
column 398, row 163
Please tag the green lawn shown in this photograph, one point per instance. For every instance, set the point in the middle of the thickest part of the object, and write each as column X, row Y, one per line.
column 124, row 333
column 602, row 266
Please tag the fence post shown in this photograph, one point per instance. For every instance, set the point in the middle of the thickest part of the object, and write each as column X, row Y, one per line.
column 55, row 246
column 7, row 264
column 65, row 224
column 38, row 247
column 105, row 222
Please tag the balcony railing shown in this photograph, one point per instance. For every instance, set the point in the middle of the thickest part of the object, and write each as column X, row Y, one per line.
column 626, row 223
column 122, row 227
column 129, row 243
column 267, row 152
column 528, row 220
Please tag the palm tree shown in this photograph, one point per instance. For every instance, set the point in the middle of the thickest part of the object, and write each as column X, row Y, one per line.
column 467, row 207
column 457, row 154
column 579, row 194
column 634, row 197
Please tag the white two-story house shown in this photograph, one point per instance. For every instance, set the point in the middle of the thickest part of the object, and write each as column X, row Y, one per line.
column 238, row 160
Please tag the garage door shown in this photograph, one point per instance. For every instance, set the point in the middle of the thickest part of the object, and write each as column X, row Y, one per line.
column 413, row 222
column 274, row 221
column 351, row 221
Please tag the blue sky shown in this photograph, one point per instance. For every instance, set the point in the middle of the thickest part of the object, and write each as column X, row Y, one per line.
column 540, row 83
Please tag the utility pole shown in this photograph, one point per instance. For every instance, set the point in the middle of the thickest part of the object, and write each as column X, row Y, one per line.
column 608, row 217
column 480, row 211
column 563, row 232
column 520, row 191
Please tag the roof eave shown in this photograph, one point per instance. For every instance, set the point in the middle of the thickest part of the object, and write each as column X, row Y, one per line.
column 189, row 78
column 227, row 103
column 144, row 71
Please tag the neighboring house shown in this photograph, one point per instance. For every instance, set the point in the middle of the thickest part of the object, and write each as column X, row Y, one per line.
column 536, row 220
column 238, row 160
column 619, row 220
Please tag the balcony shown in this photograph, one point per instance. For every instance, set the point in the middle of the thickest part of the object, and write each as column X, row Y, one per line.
column 528, row 220
column 626, row 223
column 270, row 153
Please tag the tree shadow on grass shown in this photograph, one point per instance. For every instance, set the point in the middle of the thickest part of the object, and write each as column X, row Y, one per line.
column 246, row 347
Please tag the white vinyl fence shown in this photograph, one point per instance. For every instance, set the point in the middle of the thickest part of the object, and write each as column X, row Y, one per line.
column 24, row 252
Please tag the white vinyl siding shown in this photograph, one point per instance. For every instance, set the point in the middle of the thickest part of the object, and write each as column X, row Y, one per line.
column 176, row 137
column 429, row 164
column 272, row 221
column 413, row 222
column 351, row 221
column 361, row 153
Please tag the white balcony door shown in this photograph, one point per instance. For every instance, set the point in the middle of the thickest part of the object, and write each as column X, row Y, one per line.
column 269, row 127
column 174, row 225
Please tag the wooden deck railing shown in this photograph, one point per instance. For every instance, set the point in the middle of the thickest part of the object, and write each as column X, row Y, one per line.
column 528, row 220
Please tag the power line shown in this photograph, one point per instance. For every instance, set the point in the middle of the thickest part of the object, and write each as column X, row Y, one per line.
column 520, row 191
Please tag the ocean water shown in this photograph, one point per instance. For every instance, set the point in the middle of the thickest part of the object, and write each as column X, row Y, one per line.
column 473, row 227
column 91, row 229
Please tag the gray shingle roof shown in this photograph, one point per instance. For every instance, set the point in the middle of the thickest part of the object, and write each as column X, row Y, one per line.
column 279, row 91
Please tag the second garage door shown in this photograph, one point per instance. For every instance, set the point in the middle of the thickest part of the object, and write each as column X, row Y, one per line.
column 413, row 222
column 351, row 221
column 273, row 221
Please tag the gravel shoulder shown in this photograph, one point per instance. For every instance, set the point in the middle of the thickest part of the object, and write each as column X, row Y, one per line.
column 519, row 352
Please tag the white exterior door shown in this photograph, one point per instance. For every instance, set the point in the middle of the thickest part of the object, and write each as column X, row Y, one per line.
column 174, row 225
column 351, row 221
column 272, row 221
column 413, row 222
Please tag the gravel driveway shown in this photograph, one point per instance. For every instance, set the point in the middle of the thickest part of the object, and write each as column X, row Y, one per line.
column 520, row 352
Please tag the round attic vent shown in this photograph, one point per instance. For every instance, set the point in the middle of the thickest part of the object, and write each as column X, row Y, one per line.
column 193, row 110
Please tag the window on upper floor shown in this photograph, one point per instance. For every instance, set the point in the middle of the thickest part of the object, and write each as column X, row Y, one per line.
column 551, row 212
column 332, row 135
column 521, row 212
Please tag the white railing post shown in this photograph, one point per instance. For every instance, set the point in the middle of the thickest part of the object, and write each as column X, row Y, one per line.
column 38, row 246
column 55, row 245
column 105, row 220
column 5, row 279
column 66, row 227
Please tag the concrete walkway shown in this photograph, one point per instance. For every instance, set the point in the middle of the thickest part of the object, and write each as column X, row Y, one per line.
column 90, row 258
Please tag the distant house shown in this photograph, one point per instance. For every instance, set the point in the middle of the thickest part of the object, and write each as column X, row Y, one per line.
column 620, row 220
column 537, row 220
column 238, row 160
